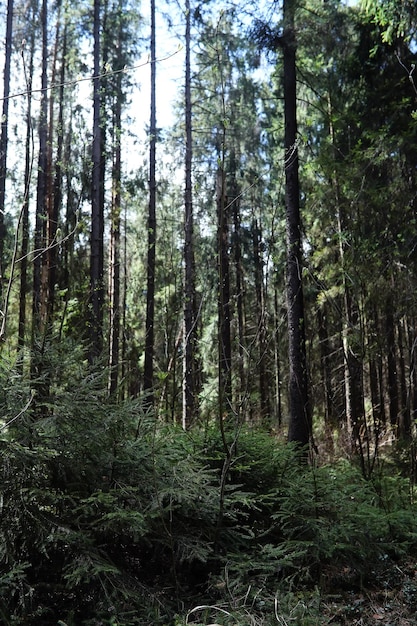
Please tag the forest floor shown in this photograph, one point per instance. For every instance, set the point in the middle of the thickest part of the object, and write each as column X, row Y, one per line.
column 388, row 600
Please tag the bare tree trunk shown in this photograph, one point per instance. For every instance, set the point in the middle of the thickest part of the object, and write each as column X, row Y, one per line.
column 300, row 418
column 42, row 187
column 325, row 361
column 97, row 208
column 404, row 422
column 23, row 288
column 240, row 388
column 277, row 360
column 351, row 340
column 224, row 314
column 114, row 282
column 391, row 365
column 4, row 135
column 189, row 396
column 148, row 381
column 261, row 314
column 54, row 186
column 114, row 264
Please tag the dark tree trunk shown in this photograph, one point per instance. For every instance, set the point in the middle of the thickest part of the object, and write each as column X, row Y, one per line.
column 114, row 286
column 355, row 408
column 261, row 330
column 114, row 281
column 326, row 368
column 300, row 418
column 189, row 400
column 23, row 287
column 150, row 293
column 375, row 373
column 404, row 422
column 240, row 391
column 391, row 365
column 224, row 323
column 412, row 340
column 4, row 135
column 42, row 187
column 97, row 208
column 54, row 186
column 277, row 359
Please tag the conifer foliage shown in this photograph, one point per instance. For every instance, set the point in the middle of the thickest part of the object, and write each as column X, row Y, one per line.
column 208, row 381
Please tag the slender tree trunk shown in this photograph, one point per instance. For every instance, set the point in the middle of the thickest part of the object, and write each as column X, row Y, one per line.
column 300, row 418
column 42, row 186
column 4, row 135
column 54, row 185
column 189, row 399
column 29, row 148
column 114, row 282
column 240, row 390
column 277, row 360
column 377, row 399
column 353, row 375
column 391, row 365
column 261, row 331
column 326, row 368
column 150, row 293
column 224, row 323
column 412, row 382
column 404, row 423
column 124, row 367
column 97, row 208
column 114, row 265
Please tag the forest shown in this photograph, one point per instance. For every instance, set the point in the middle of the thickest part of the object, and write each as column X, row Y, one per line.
column 208, row 316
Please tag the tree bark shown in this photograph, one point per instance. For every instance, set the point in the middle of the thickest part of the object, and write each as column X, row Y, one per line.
column 261, row 321
column 300, row 419
column 241, row 386
column 42, row 187
column 4, row 134
column 150, row 292
column 224, row 315
column 114, row 265
column 325, row 361
column 23, row 287
column 97, row 208
column 189, row 396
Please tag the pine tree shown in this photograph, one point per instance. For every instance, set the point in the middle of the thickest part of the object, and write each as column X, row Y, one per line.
column 4, row 133
column 148, row 375
column 300, row 418
column 97, row 201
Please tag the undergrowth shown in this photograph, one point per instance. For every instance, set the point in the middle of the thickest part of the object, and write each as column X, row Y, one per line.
column 109, row 516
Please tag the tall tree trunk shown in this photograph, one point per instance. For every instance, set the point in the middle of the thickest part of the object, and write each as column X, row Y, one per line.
column 261, row 331
column 4, row 135
column 189, row 396
column 277, row 359
column 224, row 315
column 300, row 418
column 23, row 287
column 375, row 365
column 97, row 208
column 39, row 381
column 240, row 388
column 54, row 185
column 404, row 422
column 353, row 375
column 114, row 282
column 391, row 365
column 42, row 187
column 325, row 351
column 114, row 264
column 412, row 382
column 148, row 381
